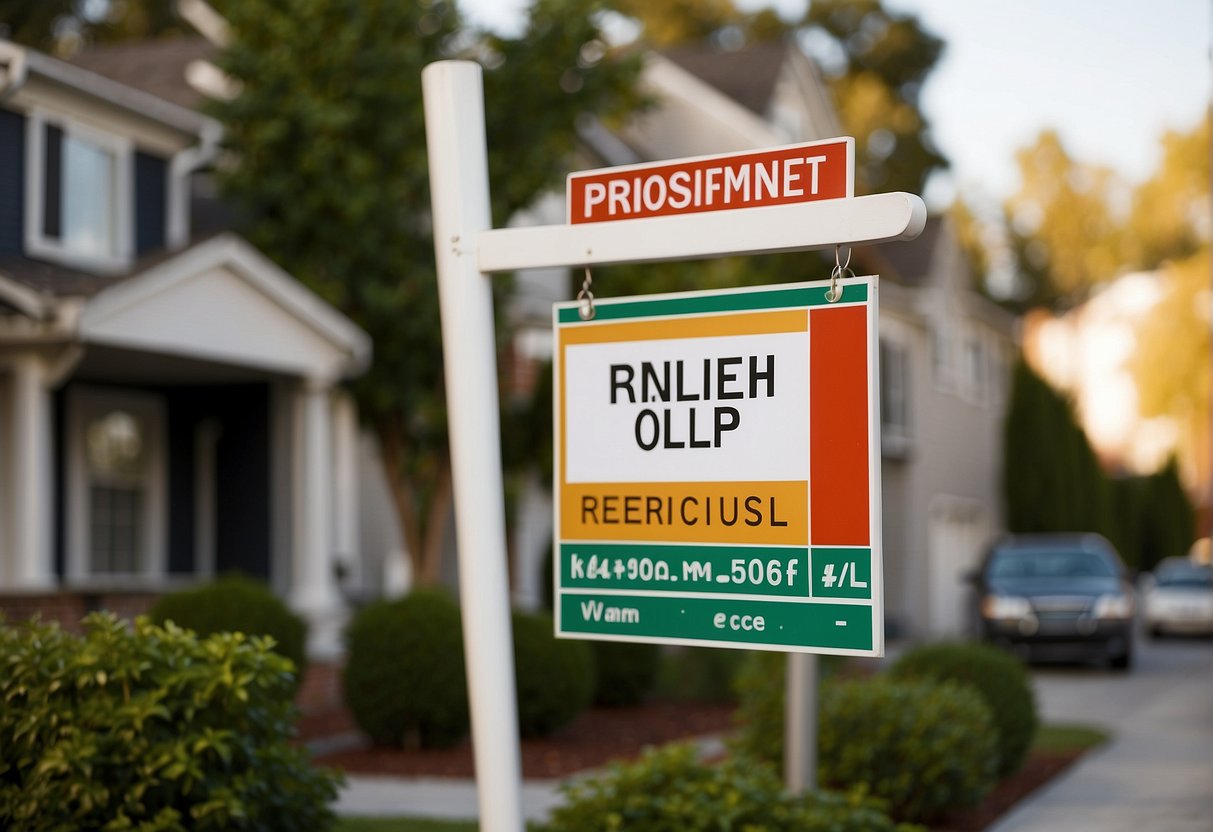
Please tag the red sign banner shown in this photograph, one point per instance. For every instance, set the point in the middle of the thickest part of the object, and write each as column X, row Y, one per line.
column 778, row 176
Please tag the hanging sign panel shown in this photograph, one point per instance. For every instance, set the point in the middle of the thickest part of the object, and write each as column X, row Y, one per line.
column 718, row 469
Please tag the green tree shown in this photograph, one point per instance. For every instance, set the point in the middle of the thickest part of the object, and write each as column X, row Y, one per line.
column 1063, row 231
column 1052, row 481
column 875, row 60
column 883, row 60
column 329, row 168
column 63, row 27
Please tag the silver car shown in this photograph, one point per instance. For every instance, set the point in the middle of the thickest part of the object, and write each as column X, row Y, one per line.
column 1179, row 598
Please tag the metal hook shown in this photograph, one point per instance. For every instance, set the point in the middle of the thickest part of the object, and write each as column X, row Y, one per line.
column 586, row 298
column 834, row 293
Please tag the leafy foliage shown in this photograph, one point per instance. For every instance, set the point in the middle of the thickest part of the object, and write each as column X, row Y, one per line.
column 151, row 728
column 625, row 673
column 881, row 59
column 554, row 677
column 237, row 604
column 922, row 746
column 63, row 27
column 700, row 674
column 875, row 59
column 669, row 790
column 404, row 675
column 761, row 688
column 1052, row 481
column 329, row 170
column 998, row 676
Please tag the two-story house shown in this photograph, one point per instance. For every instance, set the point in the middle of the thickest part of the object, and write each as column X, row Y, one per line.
column 168, row 398
column 944, row 348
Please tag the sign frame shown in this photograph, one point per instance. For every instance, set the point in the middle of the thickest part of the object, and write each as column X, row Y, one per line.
column 720, row 308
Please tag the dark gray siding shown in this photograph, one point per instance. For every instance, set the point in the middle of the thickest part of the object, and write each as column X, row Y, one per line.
column 12, row 182
column 151, row 202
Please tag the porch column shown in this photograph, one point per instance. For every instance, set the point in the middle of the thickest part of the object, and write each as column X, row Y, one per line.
column 30, row 487
column 313, row 582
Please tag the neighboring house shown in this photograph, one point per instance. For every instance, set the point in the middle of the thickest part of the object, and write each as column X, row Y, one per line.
column 169, row 406
column 945, row 349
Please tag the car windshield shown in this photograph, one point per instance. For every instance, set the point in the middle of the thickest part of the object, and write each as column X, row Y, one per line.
column 1046, row 563
column 1193, row 576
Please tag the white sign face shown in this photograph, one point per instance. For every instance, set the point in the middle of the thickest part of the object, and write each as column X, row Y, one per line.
column 693, row 409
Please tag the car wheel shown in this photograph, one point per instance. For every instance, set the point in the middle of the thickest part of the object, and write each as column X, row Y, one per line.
column 1122, row 661
column 1155, row 631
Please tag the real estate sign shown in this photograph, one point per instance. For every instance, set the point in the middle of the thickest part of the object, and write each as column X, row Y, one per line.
column 717, row 469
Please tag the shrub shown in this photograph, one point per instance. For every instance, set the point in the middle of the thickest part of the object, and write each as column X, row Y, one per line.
column 554, row 677
column 150, row 728
column 404, row 674
column 235, row 603
column 669, row 790
column 761, row 685
column 1001, row 680
column 922, row 746
column 700, row 674
column 624, row 672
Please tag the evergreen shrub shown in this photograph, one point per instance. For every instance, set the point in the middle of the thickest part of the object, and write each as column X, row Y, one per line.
column 554, row 677
column 404, row 676
column 923, row 747
column 151, row 728
column 670, row 790
column 235, row 603
column 999, row 677
column 624, row 672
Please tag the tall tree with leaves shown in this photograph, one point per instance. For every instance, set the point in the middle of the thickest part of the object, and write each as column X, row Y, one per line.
column 63, row 27
column 327, row 144
column 875, row 59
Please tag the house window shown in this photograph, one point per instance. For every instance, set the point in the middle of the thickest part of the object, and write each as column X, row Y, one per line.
column 894, row 399
column 974, row 368
column 78, row 192
column 117, row 460
column 116, row 485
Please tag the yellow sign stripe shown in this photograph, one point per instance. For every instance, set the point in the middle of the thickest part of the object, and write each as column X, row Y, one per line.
column 700, row 326
column 756, row 513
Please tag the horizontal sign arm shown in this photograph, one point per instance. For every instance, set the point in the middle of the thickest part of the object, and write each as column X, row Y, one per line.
column 879, row 218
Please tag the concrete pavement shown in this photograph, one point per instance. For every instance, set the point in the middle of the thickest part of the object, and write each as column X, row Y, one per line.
column 1156, row 775
column 434, row 797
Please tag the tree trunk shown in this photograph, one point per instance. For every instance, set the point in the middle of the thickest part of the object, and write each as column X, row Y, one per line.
column 435, row 525
column 404, row 498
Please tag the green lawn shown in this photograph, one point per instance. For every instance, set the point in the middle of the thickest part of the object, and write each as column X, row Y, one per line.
column 404, row 825
column 1058, row 738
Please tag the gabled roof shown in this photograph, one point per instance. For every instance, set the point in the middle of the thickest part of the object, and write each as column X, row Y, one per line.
column 157, row 67
column 746, row 75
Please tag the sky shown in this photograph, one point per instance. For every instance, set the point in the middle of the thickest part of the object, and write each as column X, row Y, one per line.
column 1109, row 75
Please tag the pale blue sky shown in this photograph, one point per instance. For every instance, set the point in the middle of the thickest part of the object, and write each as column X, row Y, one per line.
column 1110, row 75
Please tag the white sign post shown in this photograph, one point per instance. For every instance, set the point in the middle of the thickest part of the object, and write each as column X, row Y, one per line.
column 467, row 251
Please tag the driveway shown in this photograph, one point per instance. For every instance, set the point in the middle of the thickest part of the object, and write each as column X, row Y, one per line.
column 1156, row 775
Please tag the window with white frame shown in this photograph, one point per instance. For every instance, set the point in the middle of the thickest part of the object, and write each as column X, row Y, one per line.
column 116, row 485
column 974, row 368
column 894, row 398
column 79, row 183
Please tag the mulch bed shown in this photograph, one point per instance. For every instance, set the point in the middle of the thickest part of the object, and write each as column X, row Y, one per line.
column 604, row 734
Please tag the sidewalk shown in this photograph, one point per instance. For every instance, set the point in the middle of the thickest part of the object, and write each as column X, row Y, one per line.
column 434, row 797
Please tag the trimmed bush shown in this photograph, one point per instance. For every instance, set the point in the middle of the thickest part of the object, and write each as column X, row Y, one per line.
column 923, row 747
column 151, row 728
column 625, row 672
column 235, row 603
column 761, row 686
column 404, row 673
column 998, row 676
column 700, row 674
column 669, row 790
column 555, row 677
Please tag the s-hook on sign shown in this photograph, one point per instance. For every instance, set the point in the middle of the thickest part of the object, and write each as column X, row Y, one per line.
column 718, row 469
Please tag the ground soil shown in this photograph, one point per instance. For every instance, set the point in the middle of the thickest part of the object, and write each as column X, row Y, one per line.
column 604, row 734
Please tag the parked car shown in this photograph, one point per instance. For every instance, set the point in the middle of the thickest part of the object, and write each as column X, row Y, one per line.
column 1057, row 596
column 1179, row 598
